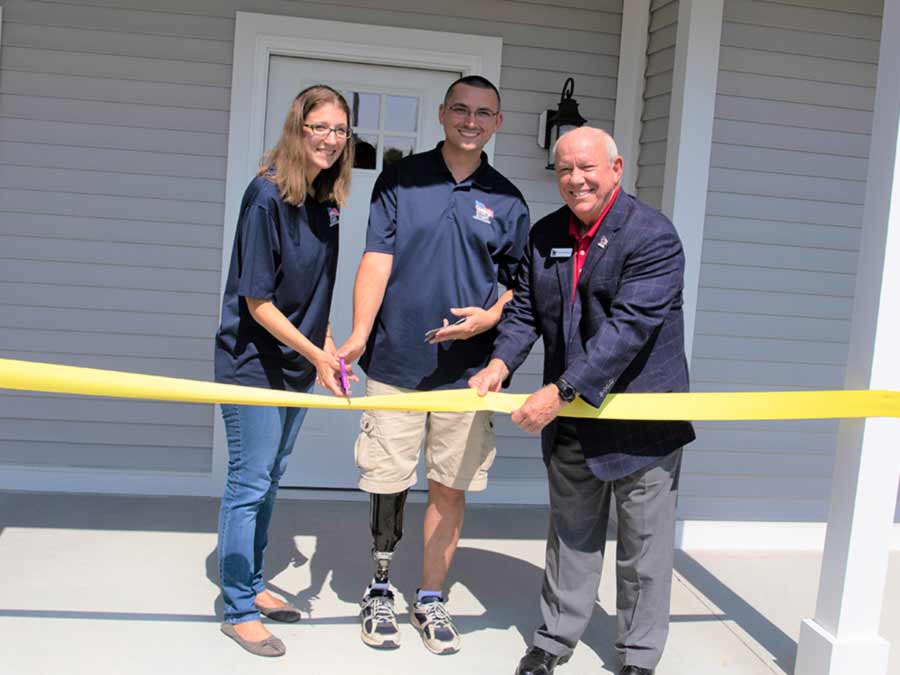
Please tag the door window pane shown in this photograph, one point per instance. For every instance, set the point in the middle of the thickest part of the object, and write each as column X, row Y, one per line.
column 396, row 148
column 365, row 151
column 365, row 109
column 401, row 113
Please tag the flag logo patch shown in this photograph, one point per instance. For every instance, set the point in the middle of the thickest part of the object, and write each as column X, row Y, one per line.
column 483, row 213
column 334, row 216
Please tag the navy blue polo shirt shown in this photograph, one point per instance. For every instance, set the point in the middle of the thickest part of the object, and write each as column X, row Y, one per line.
column 283, row 253
column 452, row 242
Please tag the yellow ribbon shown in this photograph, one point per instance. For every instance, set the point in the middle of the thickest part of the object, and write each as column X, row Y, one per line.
column 775, row 405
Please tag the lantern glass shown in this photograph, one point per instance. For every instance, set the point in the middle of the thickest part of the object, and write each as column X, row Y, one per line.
column 554, row 136
column 556, row 130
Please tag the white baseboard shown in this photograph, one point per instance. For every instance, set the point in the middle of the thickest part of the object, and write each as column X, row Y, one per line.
column 689, row 534
column 727, row 535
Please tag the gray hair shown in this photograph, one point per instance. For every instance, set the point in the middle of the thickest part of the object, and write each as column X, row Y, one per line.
column 612, row 150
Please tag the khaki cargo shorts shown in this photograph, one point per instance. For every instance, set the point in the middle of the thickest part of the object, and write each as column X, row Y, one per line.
column 459, row 447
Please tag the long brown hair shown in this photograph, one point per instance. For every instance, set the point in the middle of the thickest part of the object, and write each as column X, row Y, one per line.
column 285, row 164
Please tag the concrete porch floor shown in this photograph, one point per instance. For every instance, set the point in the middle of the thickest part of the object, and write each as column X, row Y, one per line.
column 103, row 584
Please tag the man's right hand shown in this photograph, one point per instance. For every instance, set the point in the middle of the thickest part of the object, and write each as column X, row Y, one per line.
column 490, row 378
column 352, row 349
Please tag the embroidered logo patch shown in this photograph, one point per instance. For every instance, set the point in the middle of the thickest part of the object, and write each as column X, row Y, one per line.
column 334, row 216
column 483, row 213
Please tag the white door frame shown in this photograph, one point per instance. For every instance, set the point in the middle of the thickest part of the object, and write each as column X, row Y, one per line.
column 257, row 37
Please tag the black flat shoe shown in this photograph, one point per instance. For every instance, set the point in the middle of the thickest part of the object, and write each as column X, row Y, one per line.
column 286, row 613
column 635, row 670
column 539, row 662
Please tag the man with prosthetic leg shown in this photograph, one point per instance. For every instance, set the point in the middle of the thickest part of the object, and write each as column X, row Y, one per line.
column 444, row 229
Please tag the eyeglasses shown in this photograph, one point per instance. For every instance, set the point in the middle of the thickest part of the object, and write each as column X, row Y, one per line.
column 322, row 131
column 482, row 114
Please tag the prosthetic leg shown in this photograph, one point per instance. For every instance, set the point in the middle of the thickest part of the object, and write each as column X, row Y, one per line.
column 379, row 621
column 386, row 521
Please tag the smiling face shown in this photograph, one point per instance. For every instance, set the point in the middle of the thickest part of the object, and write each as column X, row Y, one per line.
column 323, row 151
column 470, row 116
column 586, row 176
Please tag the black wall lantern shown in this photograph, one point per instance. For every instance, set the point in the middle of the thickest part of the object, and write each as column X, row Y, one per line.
column 554, row 123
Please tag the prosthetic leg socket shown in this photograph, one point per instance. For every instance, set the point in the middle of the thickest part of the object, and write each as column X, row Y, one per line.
column 386, row 521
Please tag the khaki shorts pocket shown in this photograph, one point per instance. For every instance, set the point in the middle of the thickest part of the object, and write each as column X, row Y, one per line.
column 367, row 442
column 489, row 441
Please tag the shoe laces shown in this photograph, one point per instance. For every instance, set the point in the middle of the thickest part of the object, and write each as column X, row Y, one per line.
column 382, row 609
column 437, row 614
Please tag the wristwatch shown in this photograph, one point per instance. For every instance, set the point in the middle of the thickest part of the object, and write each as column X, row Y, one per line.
column 566, row 391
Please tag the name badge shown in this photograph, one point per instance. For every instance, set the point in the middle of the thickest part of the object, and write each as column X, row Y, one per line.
column 560, row 252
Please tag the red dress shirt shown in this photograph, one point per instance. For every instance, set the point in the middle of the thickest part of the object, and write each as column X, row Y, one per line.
column 583, row 243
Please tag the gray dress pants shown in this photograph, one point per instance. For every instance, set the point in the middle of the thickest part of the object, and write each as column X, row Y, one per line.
column 579, row 512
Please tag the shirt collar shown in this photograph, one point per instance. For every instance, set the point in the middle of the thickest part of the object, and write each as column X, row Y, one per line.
column 573, row 222
column 482, row 177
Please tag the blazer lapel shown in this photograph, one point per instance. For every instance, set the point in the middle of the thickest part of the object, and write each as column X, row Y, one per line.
column 564, row 266
column 613, row 222
column 564, row 276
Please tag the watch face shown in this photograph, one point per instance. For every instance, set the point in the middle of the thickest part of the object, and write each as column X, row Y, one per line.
column 566, row 391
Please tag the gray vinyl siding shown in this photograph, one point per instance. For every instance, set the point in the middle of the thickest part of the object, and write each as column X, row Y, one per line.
column 113, row 136
column 793, row 116
column 657, row 101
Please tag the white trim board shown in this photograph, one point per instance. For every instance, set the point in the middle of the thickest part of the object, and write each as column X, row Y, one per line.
column 712, row 535
column 630, row 87
column 844, row 636
column 689, row 142
column 690, row 535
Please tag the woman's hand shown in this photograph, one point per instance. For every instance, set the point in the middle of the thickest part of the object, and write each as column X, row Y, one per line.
column 328, row 371
column 329, row 347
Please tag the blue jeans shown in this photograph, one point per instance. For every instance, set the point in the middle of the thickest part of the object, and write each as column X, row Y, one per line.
column 260, row 439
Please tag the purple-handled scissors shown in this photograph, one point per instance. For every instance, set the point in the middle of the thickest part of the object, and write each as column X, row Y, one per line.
column 345, row 383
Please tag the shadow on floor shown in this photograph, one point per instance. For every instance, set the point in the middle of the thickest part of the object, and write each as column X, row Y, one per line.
column 506, row 586
column 735, row 608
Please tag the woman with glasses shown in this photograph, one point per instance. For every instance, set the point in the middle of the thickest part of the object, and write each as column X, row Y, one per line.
column 274, row 333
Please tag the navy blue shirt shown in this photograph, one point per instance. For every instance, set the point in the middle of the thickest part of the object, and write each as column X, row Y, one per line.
column 452, row 242
column 283, row 253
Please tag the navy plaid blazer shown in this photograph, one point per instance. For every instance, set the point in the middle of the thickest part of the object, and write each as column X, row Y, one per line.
column 624, row 332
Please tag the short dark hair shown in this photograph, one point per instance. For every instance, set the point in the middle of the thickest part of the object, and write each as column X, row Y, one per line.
column 474, row 81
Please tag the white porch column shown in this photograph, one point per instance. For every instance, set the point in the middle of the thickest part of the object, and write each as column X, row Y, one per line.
column 630, row 87
column 843, row 637
column 690, row 138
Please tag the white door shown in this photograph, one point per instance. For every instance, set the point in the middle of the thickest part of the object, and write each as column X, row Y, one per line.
column 394, row 114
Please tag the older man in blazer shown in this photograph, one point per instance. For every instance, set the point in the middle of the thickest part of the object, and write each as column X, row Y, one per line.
column 601, row 284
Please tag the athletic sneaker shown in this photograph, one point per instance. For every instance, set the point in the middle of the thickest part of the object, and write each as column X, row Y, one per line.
column 433, row 621
column 379, row 622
